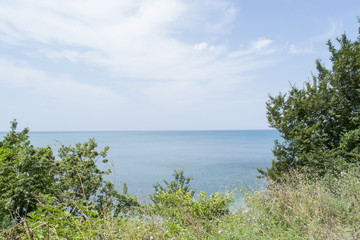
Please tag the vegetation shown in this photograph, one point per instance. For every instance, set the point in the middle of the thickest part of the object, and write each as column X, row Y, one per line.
column 300, row 208
column 320, row 123
column 24, row 172
column 313, row 188
column 180, row 182
column 27, row 172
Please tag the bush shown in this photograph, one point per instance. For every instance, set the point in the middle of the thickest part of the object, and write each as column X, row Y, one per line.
column 180, row 182
column 177, row 201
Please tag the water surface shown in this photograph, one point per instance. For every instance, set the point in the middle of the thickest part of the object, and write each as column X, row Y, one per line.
column 217, row 160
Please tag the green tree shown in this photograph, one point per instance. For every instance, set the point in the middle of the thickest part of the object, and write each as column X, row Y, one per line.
column 25, row 171
column 319, row 123
column 80, row 179
column 78, row 175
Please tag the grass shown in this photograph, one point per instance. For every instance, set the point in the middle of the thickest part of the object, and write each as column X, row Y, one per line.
column 299, row 208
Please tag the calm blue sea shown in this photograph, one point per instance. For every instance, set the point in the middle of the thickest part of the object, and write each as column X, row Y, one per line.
column 217, row 160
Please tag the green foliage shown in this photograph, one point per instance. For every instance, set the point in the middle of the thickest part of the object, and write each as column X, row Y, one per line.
column 79, row 179
column 110, row 200
column 78, row 174
column 180, row 182
column 58, row 221
column 299, row 208
column 182, row 205
column 319, row 123
column 25, row 171
column 177, row 201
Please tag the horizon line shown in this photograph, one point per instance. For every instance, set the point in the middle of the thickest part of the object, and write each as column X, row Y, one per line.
column 164, row 130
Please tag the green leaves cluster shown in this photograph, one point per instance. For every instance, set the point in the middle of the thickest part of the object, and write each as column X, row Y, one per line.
column 319, row 123
column 27, row 172
column 96, row 214
column 177, row 201
column 183, row 206
column 180, row 182
column 24, row 172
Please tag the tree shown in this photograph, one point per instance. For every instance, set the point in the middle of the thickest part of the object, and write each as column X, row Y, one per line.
column 27, row 173
column 24, row 172
column 320, row 123
column 80, row 179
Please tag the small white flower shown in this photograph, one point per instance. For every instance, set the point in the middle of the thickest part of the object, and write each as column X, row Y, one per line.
column 220, row 231
column 138, row 227
column 151, row 237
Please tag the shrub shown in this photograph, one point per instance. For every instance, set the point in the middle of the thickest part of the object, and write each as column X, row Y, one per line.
column 180, row 203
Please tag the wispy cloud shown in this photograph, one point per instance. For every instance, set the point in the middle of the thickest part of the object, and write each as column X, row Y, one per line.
column 132, row 39
column 333, row 30
column 307, row 46
column 20, row 75
column 297, row 50
column 138, row 45
column 135, row 57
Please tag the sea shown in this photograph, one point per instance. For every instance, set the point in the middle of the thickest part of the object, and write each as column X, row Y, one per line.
column 217, row 161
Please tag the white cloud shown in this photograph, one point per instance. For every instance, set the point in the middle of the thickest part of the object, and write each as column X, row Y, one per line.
column 262, row 43
column 260, row 47
column 231, row 14
column 296, row 50
column 201, row 46
column 133, row 40
column 222, row 14
column 34, row 81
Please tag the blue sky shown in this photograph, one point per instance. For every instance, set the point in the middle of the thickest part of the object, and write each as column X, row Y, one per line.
column 75, row 65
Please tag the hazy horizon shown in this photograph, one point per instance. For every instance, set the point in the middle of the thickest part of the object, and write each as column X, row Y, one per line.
column 160, row 130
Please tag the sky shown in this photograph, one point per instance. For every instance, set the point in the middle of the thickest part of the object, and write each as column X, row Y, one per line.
column 105, row 65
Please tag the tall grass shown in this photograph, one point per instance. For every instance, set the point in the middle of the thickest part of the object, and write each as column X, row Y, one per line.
column 328, row 208
column 299, row 208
